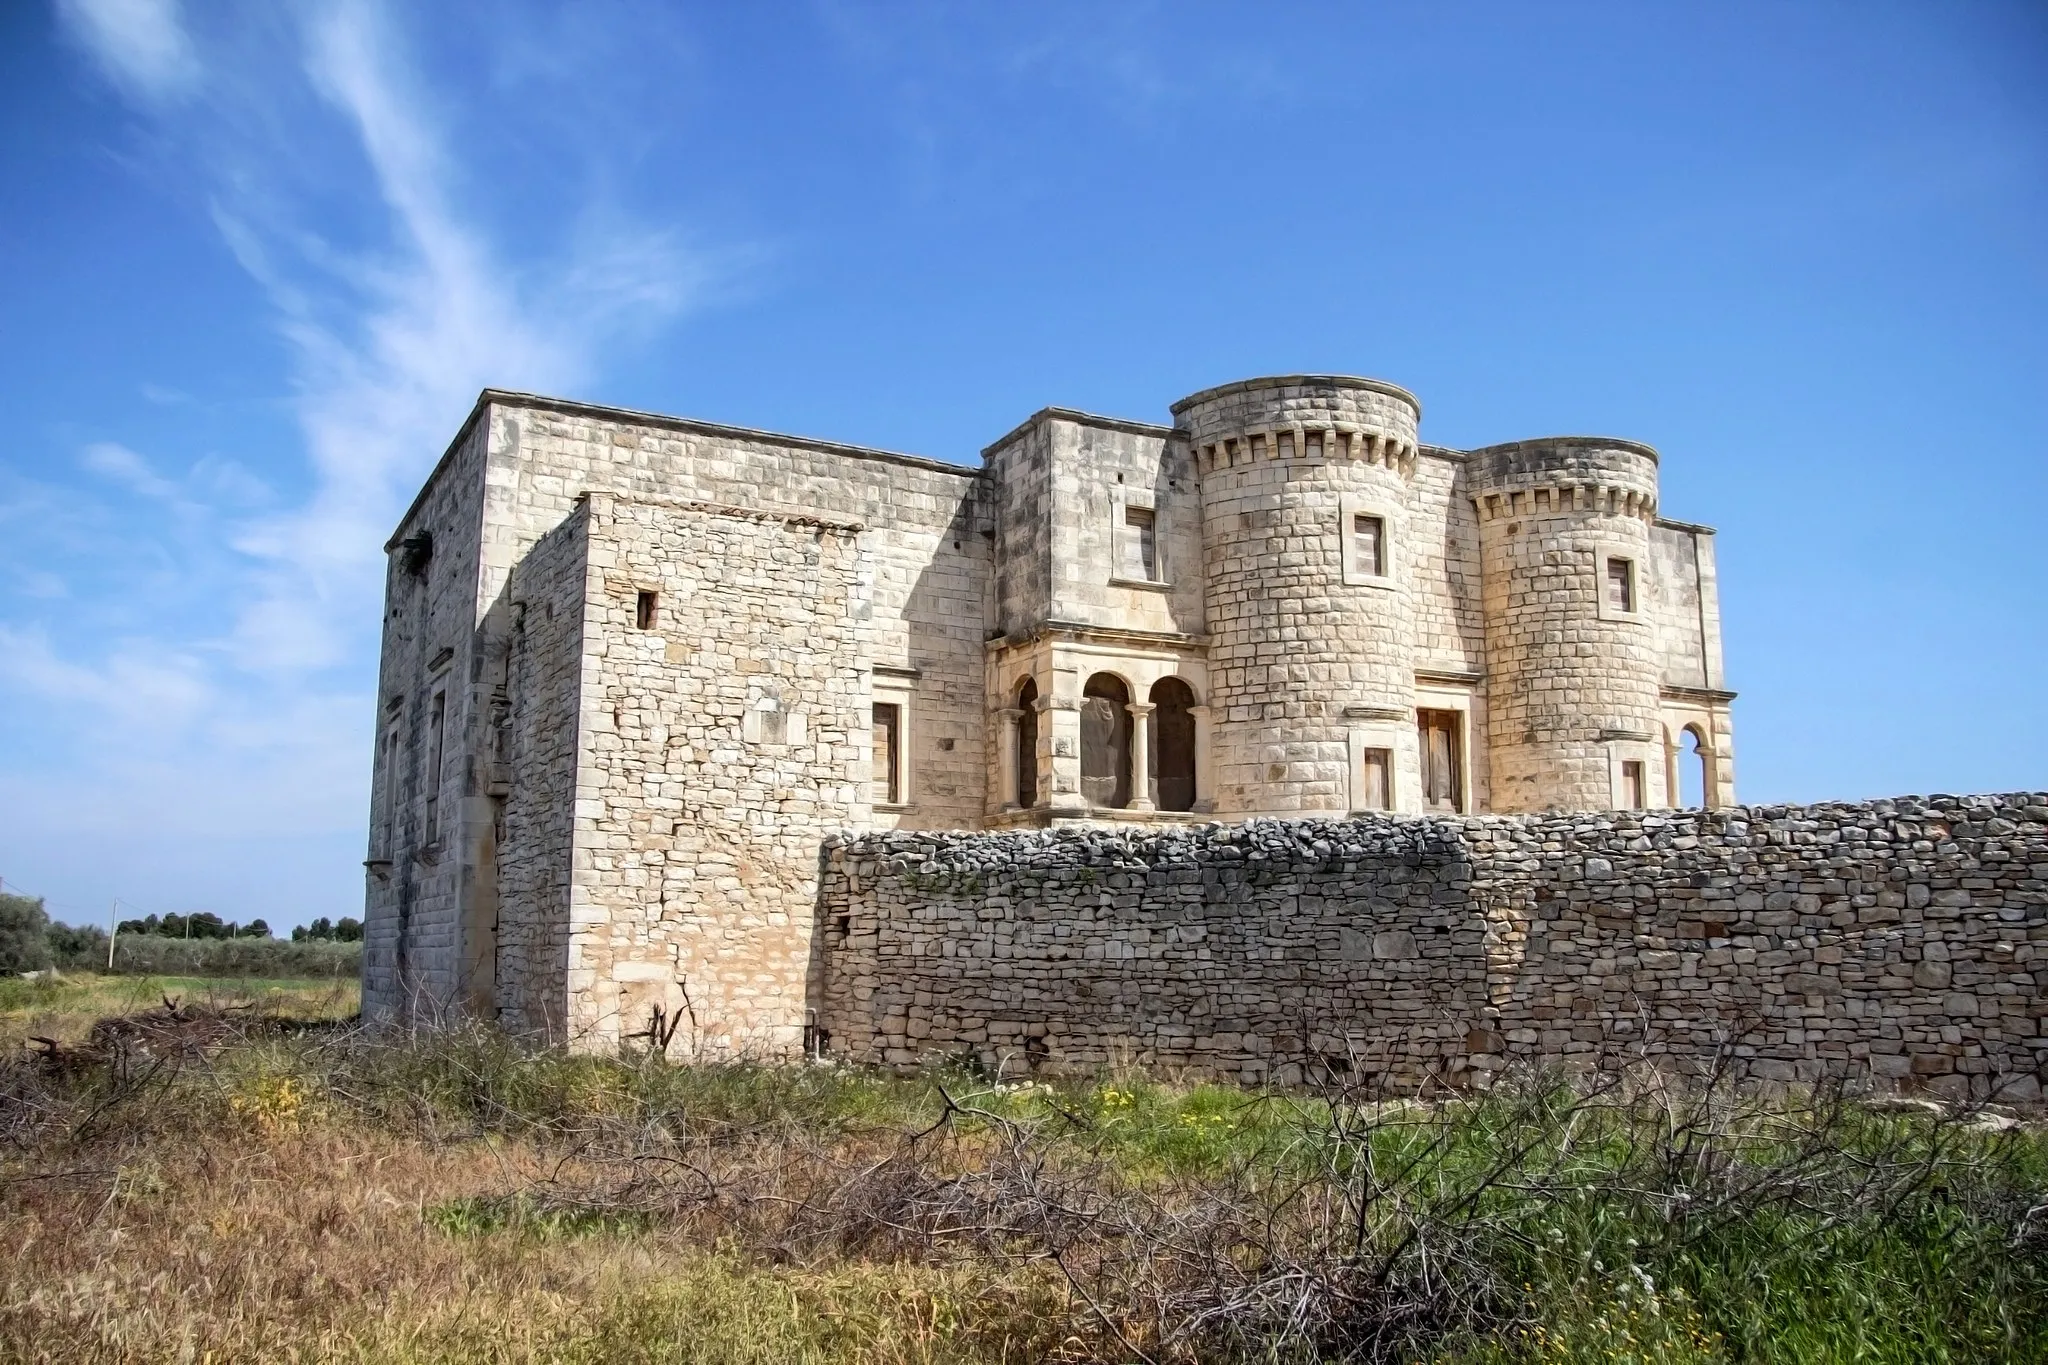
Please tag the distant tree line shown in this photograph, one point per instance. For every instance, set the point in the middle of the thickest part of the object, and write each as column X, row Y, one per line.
column 347, row 929
column 174, row 945
column 204, row 924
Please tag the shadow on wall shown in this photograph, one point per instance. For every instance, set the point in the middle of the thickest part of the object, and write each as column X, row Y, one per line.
column 1889, row 943
column 1257, row 952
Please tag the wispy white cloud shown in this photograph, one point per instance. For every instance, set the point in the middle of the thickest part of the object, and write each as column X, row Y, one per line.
column 258, row 719
column 141, row 44
column 122, row 465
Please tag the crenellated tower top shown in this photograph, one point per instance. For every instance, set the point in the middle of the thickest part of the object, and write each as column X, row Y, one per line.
column 1561, row 474
column 1301, row 417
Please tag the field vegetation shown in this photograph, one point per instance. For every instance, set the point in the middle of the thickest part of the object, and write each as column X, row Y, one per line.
column 199, row 945
column 258, row 1178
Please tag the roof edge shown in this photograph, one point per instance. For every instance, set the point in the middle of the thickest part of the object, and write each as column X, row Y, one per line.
column 1341, row 381
column 1092, row 419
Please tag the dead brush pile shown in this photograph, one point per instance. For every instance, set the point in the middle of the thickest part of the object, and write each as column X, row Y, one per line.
column 457, row 1195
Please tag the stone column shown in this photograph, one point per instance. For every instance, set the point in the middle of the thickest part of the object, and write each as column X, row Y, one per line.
column 1006, row 758
column 1205, row 766
column 1141, row 755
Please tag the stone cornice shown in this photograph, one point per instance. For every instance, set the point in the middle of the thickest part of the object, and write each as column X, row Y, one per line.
column 1083, row 633
column 1713, row 696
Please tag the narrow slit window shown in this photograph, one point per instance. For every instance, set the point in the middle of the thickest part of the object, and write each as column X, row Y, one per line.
column 1141, row 544
column 1375, row 768
column 1632, row 787
column 1369, row 546
column 390, row 822
column 436, row 720
column 645, row 610
column 1621, row 584
column 888, row 754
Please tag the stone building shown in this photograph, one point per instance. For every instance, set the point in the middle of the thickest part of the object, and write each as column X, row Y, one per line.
column 638, row 670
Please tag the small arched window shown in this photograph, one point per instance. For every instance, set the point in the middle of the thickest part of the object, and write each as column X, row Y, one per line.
column 1106, row 742
column 1027, row 744
column 1173, row 745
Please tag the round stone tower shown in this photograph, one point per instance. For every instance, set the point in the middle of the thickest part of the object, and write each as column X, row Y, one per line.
column 1571, row 662
column 1304, row 489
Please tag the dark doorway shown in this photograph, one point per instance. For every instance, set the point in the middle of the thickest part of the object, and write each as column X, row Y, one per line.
column 1173, row 745
column 1443, row 762
column 1106, row 742
column 1027, row 744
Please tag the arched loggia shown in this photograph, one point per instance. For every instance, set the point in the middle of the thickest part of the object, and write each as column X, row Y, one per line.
column 1106, row 742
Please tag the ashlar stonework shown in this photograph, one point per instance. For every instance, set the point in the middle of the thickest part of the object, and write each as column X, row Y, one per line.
column 641, row 675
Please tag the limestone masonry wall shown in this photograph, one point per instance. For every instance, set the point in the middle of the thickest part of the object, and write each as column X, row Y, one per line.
column 1899, row 940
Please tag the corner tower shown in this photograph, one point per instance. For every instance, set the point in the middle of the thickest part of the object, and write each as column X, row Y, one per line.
column 1305, row 482
column 1571, row 649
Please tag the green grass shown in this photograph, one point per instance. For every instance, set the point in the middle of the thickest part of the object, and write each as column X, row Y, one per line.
column 65, row 1007
column 625, row 1207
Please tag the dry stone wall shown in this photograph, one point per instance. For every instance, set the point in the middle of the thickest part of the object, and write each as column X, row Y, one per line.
column 1900, row 941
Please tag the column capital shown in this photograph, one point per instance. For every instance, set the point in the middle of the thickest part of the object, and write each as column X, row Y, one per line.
column 1141, row 709
column 1010, row 715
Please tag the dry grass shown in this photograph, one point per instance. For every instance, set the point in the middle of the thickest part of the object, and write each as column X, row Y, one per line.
column 196, row 1184
column 317, row 1246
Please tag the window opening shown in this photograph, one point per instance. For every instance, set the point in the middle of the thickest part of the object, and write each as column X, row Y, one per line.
column 436, row 720
column 1106, row 742
column 1692, row 769
column 1621, row 584
column 1369, row 545
column 1443, row 777
column 644, row 611
column 1173, row 745
column 1632, row 788
column 1376, row 766
column 888, row 754
column 1027, row 744
column 1141, row 544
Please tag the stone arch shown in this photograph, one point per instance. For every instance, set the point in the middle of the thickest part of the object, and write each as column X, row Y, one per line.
column 1698, row 768
column 1173, row 744
column 1027, row 743
column 1106, row 741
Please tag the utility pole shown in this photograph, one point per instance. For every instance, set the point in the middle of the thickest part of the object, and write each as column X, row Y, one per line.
column 113, row 931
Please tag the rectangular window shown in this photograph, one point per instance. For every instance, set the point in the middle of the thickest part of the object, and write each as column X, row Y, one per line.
column 1632, row 787
column 1443, row 776
column 1369, row 546
column 888, row 754
column 644, row 611
column 1375, row 767
column 1621, row 585
column 436, row 720
column 1141, row 545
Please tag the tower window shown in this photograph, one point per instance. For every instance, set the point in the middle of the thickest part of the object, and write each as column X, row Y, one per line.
column 888, row 754
column 644, row 610
column 1621, row 585
column 1632, row 786
column 1369, row 546
column 1141, row 545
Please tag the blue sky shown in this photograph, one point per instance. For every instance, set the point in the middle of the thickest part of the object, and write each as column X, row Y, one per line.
column 259, row 258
